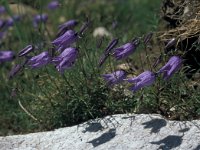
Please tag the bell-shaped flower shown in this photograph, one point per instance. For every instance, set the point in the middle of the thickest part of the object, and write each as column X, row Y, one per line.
column 2, row 9
column 124, row 51
column 39, row 60
column 146, row 78
column 10, row 21
column 170, row 43
column 2, row 23
column 66, row 59
column 173, row 65
column 54, row 4
column 147, row 38
column 14, row 71
column 6, row 56
column 26, row 50
column 69, row 25
column 115, row 77
column 39, row 18
column 2, row 34
column 107, row 51
column 65, row 40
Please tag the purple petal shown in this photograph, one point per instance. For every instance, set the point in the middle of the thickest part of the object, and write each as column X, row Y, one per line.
column 26, row 50
column 115, row 77
column 53, row 5
column 2, row 9
column 6, row 56
column 124, row 51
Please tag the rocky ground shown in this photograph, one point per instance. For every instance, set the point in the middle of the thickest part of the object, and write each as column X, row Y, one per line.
column 118, row 132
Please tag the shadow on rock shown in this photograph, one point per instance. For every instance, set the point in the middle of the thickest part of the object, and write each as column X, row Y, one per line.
column 155, row 124
column 129, row 117
column 104, row 138
column 184, row 130
column 197, row 148
column 169, row 142
column 132, row 118
column 93, row 127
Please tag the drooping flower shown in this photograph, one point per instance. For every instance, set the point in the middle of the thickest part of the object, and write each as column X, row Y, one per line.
column 39, row 18
column 26, row 50
column 65, row 40
column 66, row 59
column 2, row 23
column 171, row 43
column 10, row 21
column 102, row 60
column 69, row 25
column 110, row 46
column 157, row 61
column 14, row 71
column 136, row 41
column 17, row 17
column 2, row 34
column 147, row 38
column 6, row 56
column 171, row 67
column 115, row 77
column 146, row 78
column 124, row 51
column 39, row 60
column 84, row 27
column 107, row 51
column 2, row 9
column 54, row 4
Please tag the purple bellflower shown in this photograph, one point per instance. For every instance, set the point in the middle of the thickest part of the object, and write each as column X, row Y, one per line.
column 84, row 27
column 26, row 50
column 136, row 41
column 10, row 21
column 39, row 60
column 66, row 59
column 17, row 18
column 53, row 5
column 65, row 40
column 147, row 38
column 6, row 56
column 124, row 51
column 39, row 18
column 146, row 78
column 110, row 46
column 171, row 43
column 69, row 25
column 171, row 67
column 2, row 35
column 107, row 51
column 115, row 77
column 14, row 71
column 2, row 9
column 2, row 23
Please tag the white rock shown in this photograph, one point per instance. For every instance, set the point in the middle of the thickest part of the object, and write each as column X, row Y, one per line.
column 118, row 132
